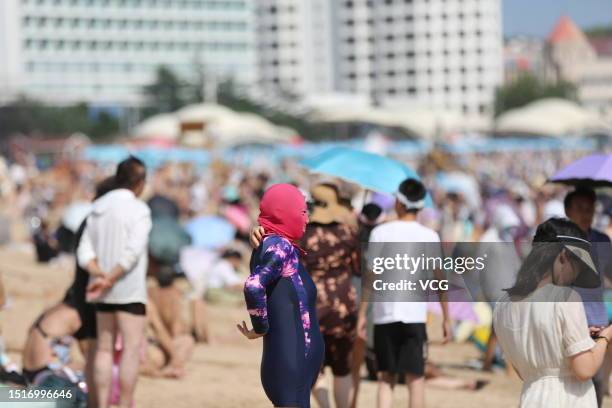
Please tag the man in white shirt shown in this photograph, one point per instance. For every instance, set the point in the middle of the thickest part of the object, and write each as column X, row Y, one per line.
column 113, row 249
column 400, row 337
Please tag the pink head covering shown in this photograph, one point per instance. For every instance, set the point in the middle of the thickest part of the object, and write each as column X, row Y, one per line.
column 282, row 211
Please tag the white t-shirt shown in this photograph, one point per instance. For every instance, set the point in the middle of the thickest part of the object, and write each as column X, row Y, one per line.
column 222, row 274
column 401, row 231
column 205, row 270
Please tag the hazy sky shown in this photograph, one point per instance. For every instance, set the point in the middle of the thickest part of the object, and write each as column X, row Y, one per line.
column 537, row 17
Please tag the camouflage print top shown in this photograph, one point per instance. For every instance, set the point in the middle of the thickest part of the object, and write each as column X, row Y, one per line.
column 332, row 258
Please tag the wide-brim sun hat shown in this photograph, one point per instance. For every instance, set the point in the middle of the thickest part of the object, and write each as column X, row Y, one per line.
column 326, row 206
column 588, row 277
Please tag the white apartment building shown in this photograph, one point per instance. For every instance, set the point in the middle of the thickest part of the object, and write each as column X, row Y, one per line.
column 295, row 46
column 442, row 54
column 104, row 51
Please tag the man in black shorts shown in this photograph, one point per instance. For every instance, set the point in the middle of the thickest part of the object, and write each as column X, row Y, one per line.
column 400, row 336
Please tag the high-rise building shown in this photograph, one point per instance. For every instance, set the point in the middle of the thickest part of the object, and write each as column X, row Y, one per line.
column 295, row 46
column 104, row 51
column 443, row 54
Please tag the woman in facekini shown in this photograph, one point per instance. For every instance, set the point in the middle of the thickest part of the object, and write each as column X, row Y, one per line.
column 281, row 299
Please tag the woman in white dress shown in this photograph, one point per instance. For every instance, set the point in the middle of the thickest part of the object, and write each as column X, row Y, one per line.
column 541, row 324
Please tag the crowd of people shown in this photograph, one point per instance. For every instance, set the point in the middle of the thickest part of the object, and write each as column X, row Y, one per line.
column 135, row 258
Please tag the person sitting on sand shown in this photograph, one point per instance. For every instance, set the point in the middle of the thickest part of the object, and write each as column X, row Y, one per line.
column 168, row 299
column 436, row 378
column 214, row 279
column 165, row 354
column 51, row 326
column 72, row 317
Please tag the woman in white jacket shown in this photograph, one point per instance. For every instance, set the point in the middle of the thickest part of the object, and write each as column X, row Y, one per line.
column 113, row 249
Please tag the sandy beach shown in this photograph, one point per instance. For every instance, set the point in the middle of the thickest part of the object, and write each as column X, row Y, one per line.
column 225, row 373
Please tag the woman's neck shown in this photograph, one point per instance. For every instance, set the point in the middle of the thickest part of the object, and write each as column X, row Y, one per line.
column 547, row 279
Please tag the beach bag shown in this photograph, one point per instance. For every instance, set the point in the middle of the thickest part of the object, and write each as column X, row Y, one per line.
column 54, row 382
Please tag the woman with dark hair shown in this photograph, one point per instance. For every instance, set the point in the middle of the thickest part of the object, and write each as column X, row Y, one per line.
column 281, row 300
column 541, row 324
column 72, row 317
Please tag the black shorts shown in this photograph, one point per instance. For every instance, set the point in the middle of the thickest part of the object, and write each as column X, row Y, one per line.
column 401, row 348
column 338, row 354
column 138, row 309
column 87, row 314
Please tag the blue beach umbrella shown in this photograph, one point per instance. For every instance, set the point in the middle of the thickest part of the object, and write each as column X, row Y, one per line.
column 368, row 170
column 371, row 171
column 210, row 231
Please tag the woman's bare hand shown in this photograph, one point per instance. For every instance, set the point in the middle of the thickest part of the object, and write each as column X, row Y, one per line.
column 256, row 236
column 249, row 334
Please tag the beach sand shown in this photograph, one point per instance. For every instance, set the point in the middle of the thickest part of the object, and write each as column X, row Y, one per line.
column 225, row 373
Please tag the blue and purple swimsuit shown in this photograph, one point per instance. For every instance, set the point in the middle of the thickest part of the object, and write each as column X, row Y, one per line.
column 281, row 300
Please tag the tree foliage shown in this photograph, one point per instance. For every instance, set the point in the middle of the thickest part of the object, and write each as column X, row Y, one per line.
column 599, row 31
column 167, row 93
column 527, row 88
column 228, row 95
column 31, row 117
